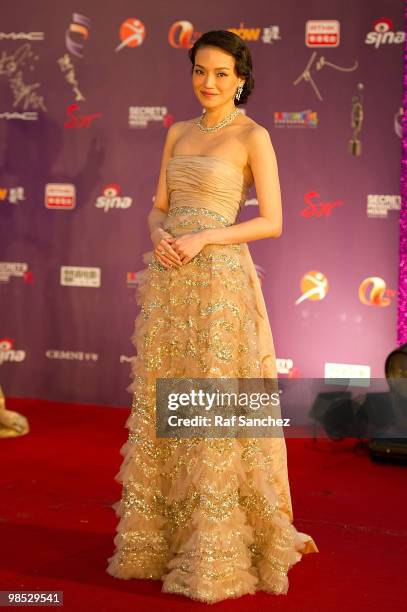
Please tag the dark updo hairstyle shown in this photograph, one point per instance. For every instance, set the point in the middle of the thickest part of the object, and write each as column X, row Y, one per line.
column 233, row 44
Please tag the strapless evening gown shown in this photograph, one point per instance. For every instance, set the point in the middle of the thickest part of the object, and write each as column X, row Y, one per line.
column 210, row 518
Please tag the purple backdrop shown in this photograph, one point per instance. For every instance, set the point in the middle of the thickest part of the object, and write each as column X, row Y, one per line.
column 86, row 99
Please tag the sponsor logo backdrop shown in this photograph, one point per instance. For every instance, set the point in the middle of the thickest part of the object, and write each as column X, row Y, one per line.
column 87, row 94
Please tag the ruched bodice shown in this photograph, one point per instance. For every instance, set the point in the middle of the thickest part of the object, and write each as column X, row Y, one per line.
column 209, row 182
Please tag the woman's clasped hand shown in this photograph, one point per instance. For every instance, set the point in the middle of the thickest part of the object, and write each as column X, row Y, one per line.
column 171, row 251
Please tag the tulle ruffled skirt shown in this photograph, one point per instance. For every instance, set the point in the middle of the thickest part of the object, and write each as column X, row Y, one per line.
column 210, row 518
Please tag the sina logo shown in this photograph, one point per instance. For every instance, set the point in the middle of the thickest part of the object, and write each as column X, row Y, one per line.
column 111, row 198
column 8, row 353
column 383, row 34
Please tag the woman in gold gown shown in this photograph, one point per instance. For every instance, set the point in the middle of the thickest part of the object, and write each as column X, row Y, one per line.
column 211, row 518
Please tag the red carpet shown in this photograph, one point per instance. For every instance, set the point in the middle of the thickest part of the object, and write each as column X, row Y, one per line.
column 57, row 525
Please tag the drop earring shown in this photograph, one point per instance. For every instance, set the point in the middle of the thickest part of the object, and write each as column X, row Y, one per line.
column 239, row 92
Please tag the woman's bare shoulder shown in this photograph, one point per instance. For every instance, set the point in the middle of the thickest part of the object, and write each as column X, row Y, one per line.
column 252, row 125
column 182, row 125
column 178, row 128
